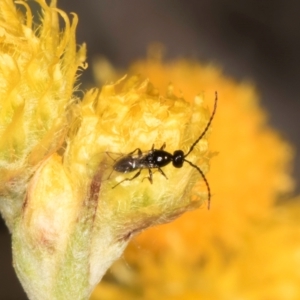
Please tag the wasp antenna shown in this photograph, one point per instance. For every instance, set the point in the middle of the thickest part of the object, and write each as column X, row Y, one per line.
column 207, row 126
column 205, row 180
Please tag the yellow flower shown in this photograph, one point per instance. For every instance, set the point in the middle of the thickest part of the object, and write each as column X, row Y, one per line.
column 204, row 254
column 70, row 213
column 38, row 66
column 268, row 265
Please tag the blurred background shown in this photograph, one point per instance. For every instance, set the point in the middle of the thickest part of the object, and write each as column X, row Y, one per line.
column 257, row 41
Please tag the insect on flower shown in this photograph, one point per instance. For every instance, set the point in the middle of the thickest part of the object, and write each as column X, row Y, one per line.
column 158, row 158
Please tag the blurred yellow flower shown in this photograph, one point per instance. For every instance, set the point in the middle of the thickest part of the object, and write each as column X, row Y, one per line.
column 221, row 253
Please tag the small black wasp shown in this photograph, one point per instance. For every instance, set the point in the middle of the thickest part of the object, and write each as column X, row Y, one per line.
column 158, row 158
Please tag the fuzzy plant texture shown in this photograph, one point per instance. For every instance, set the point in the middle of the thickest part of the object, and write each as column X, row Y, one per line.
column 247, row 245
column 57, row 152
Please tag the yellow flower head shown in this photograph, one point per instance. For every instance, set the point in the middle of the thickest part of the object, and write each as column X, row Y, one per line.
column 38, row 65
column 252, row 167
column 131, row 115
column 197, row 256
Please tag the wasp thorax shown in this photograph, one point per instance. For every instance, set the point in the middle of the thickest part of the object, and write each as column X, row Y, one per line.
column 178, row 158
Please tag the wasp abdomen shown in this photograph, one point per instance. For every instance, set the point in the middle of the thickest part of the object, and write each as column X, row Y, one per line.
column 126, row 164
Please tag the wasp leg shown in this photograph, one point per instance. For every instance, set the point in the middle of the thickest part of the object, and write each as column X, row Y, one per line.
column 139, row 151
column 162, row 173
column 110, row 174
column 108, row 154
column 129, row 179
column 150, row 176
column 163, row 146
